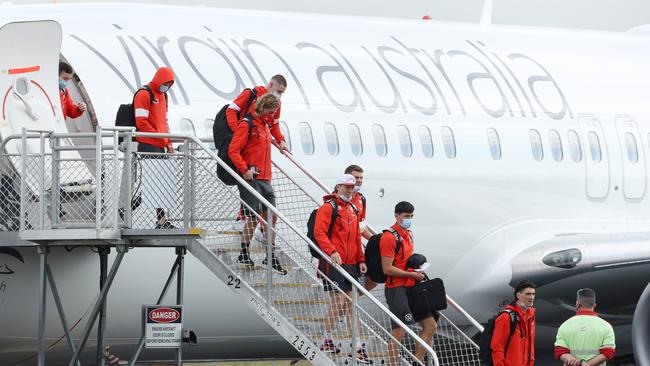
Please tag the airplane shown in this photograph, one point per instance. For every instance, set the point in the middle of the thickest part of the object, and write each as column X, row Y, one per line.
column 523, row 150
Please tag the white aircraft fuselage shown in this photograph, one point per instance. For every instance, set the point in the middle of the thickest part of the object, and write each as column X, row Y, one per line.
column 536, row 167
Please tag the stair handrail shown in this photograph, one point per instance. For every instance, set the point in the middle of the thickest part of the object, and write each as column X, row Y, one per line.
column 327, row 190
column 302, row 235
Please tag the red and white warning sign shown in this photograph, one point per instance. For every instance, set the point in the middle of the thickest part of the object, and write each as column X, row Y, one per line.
column 163, row 326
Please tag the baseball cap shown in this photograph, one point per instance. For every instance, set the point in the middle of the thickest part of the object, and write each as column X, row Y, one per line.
column 346, row 179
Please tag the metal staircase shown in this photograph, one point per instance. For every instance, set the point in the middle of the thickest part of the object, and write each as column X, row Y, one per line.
column 97, row 199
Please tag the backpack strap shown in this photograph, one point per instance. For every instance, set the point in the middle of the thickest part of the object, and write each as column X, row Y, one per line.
column 248, row 118
column 251, row 97
column 398, row 245
column 363, row 199
column 335, row 212
column 514, row 319
column 149, row 91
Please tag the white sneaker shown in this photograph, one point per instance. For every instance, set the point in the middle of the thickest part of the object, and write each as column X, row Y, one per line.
column 237, row 225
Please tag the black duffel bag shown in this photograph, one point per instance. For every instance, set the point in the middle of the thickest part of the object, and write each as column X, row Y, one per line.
column 427, row 296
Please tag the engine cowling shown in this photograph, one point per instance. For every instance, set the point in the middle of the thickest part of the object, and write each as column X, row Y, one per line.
column 641, row 329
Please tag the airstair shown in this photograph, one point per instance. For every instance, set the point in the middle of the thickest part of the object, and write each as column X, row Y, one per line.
column 106, row 192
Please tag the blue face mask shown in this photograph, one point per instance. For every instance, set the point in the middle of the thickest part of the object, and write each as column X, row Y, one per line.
column 63, row 84
column 357, row 188
column 344, row 198
column 405, row 224
column 163, row 88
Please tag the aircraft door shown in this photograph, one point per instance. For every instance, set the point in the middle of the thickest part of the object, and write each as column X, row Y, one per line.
column 28, row 79
column 633, row 158
column 596, row 157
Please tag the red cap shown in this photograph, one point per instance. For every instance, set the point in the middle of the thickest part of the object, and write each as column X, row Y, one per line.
column 426, row 17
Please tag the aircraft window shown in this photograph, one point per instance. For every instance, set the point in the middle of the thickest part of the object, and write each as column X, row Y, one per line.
column 306, row 137
column 556, row 145
column 536, row 145
column 285, row 132
column 574, row 146
column 380, row 140
column 495, row 143
column 449, row 142
column 355, row 139
column 632, row 151
column 22, row 86
column 332, row 139
column 594, row 147
column 427, row 142
column 405, row 141
column 187, row 127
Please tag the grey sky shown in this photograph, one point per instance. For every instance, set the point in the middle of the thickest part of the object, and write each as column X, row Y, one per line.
column 612, row 15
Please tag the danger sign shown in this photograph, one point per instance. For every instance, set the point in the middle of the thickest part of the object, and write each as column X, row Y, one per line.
column 163, row 326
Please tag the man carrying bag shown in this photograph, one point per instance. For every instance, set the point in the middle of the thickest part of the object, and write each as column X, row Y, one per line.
column 394, row 265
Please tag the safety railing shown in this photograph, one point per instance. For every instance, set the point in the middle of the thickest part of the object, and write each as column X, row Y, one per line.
column 185, row 187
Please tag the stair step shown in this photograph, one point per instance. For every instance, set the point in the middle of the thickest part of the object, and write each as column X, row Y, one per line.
column 283, row 284
column 236, row 250
column 343, row 354
column 308, row 319
column 300, row 302
column 340, row 337
column 242, row 267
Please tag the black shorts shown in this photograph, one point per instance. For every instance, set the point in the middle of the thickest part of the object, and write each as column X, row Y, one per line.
column 264, row 188
column 398, row 304
column 146, row 148
column 336, row 277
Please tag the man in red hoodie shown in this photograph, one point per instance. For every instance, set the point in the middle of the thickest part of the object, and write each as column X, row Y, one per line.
column 70, row 109
column 150, row 107
column 343, row 245
column 518, row 348
column 250, row 152
column 276, row 86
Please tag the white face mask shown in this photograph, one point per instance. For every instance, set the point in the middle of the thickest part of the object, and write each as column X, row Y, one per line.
column 357, row 188
column 344, row 197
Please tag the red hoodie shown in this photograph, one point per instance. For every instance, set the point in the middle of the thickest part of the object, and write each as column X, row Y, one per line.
column 252, row 148
column 521, row 350
column 70, row 109
column 346, row 237
column 234, row 112
column 152, row 117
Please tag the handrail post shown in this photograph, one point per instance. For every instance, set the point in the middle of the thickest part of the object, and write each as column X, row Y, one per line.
column 116, row 183
column 269, row 255
column 55, row 195
column 41, row 178
column 98, row 179
column 23, row 179
column 355, row 330
column 187, row 193
column 129, row 171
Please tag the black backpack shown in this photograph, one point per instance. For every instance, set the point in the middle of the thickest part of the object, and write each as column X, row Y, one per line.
column 485, row 352
column 125, row 116
column 222, row 136
column 222, row 173
column 373, row 256
column 312, row 221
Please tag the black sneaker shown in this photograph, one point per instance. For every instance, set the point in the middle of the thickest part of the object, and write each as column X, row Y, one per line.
column 275, row 263
column 165, row 225
column 245, row 259
column 329, row 347
column 362, row 356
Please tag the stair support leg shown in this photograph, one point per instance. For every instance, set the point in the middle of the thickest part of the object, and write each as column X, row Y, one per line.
column 42, row 297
